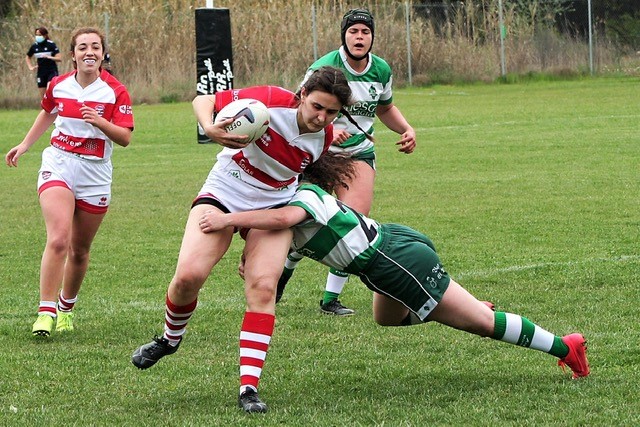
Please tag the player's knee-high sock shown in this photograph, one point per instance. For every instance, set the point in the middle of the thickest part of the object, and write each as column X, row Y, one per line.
column 175, row 320
column 521, row 331
column 292, row 260
column 336, row 280
column 255, row 337
column 66, row 304
column 47, row 307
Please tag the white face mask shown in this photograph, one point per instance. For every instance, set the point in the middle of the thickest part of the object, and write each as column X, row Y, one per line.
column 39, row 39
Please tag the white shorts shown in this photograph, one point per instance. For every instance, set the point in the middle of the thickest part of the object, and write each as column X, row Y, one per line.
column 238, row 196
column 88, row 180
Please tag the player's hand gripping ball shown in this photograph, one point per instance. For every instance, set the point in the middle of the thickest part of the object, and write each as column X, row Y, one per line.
column 250, row 117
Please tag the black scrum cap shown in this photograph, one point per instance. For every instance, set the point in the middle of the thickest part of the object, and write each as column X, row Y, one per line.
column 356, row 16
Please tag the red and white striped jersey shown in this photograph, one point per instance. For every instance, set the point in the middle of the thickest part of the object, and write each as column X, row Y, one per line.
column 72, row 134
column 275, row 160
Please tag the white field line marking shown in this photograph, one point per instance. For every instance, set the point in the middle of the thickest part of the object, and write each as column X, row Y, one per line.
column 147, row 306
column 516, row 268
column 383, row 130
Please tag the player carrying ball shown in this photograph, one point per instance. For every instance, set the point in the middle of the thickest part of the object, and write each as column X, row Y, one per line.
column 260, row 175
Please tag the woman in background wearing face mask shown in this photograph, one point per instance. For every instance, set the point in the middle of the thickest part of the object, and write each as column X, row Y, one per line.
column 47, row 54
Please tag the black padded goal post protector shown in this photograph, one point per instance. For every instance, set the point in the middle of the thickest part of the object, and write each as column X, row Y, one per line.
column 214, row 58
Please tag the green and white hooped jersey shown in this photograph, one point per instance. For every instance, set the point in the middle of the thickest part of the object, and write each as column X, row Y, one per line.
column 370, row 88
column 337, row 235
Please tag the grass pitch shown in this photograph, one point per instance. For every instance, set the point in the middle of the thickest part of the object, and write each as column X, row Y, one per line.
column 530, row 192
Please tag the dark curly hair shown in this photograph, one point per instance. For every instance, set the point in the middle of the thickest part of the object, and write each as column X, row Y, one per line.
column 330, row 171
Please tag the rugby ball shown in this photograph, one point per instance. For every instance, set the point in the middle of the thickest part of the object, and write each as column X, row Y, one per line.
column 250, row 117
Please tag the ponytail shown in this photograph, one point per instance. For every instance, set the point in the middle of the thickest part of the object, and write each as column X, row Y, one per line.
column 353, row 122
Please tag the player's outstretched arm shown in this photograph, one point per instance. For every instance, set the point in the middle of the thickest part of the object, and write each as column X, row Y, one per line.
column 39, row 127
column 269, row 219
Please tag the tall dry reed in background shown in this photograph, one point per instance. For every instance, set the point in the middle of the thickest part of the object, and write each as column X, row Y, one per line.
column 152, row 43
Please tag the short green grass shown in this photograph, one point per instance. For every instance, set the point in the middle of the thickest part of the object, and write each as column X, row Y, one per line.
column 530, row 192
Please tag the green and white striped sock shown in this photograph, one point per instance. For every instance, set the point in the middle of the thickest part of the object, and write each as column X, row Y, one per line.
column 521, row 331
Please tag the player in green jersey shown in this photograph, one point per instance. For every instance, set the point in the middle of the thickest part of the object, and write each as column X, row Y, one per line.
column 397, row 263
column 370, row 79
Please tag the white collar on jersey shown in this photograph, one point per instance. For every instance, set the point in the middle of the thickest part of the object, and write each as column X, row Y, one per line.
column 344, row 57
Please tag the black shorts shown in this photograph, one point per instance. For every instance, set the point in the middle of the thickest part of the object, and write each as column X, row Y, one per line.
column 43, row 79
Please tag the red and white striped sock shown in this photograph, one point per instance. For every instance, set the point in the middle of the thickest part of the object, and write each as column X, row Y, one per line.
column 255, row 337
column 48, row 308
column 175, row 320
column 66, row 304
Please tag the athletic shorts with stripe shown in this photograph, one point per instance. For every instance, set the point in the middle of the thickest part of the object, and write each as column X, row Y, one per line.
column 88, row 180
column 407, row 269
column 368, row 158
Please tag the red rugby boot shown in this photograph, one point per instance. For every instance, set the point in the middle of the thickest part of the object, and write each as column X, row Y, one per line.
column 576, row 359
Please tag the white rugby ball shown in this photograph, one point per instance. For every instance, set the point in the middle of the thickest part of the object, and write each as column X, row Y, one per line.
column 250, row 117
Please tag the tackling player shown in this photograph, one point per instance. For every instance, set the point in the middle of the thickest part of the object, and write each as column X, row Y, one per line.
column 397, row 263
